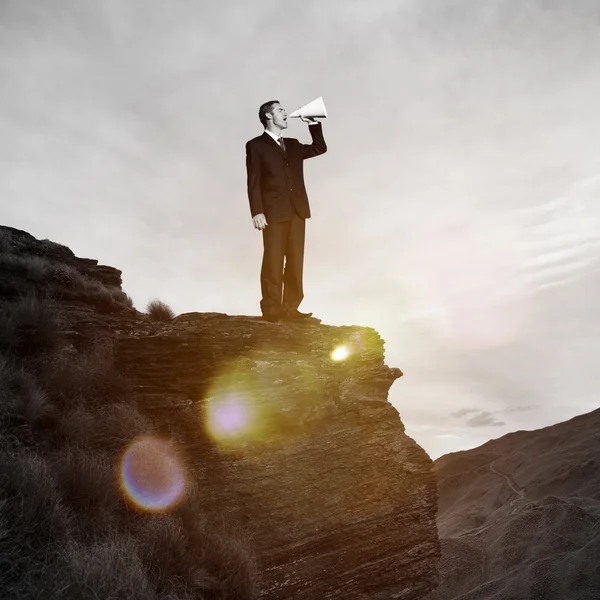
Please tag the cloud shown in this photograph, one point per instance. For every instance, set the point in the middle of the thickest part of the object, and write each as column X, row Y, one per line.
column 479, row 418
column 463, row 412
column 519, row 409
column 484, row 419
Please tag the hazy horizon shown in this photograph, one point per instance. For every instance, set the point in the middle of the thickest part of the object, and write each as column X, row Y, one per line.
column 456, row 211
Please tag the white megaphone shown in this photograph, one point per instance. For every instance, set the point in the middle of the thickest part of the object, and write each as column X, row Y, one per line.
column 312, row 110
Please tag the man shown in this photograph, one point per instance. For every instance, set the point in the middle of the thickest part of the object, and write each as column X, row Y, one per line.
column 279, row 207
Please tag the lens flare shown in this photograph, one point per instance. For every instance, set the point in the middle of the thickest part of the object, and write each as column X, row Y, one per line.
column 259, row 400
column 340, row 353
column 151, row 474
column 229, row 417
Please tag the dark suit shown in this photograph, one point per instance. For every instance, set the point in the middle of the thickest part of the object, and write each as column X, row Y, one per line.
column 276, row 189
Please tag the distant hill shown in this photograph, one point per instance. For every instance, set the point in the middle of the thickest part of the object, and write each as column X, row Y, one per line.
column 519, row 517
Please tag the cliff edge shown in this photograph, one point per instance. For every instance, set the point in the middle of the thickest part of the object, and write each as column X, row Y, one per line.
column 283, row 429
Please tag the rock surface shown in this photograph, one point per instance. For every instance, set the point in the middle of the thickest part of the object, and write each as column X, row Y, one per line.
column 339, row 501
column 298, row 446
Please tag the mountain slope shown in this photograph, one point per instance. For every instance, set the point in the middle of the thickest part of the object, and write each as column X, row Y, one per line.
column 519, row 517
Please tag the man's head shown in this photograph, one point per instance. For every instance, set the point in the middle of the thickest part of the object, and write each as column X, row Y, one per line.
column 273, row 116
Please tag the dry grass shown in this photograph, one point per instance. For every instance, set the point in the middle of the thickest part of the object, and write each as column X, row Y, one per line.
column 29, row 327
column 66, row 530
column 59, row 280
column 84, row 378
column 159, row 311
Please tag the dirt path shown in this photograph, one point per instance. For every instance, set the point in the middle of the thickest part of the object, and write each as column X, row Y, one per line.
column 509, row 479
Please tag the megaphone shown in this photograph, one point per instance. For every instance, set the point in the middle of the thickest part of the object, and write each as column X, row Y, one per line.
column 314, row 109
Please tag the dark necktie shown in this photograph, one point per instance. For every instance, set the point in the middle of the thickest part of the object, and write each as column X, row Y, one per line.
column 281, row 143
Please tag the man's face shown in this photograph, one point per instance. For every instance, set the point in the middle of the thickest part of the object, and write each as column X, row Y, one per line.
column 280, row 118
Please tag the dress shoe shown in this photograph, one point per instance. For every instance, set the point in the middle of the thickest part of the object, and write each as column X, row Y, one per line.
column 296, row 315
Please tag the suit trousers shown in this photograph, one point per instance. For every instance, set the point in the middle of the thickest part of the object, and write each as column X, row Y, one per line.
column 281, row 285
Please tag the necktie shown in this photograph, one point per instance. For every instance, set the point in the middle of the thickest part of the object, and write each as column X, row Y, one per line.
column 281, row 143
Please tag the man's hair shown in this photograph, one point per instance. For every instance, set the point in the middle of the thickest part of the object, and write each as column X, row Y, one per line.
column 265, row 108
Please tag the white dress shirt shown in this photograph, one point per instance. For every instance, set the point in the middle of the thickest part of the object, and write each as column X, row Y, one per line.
column 275, row 137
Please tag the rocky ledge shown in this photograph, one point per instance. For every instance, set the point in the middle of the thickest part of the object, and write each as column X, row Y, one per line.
column 288, row 429
column 285, row 430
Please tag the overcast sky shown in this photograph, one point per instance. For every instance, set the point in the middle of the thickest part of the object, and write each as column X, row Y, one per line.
column 456, row 211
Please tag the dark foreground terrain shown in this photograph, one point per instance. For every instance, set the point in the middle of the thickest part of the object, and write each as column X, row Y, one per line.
column 519, row 517
column 67, row 529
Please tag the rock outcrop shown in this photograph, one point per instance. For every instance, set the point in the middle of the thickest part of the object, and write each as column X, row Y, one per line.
column 339, row 501
column 286, row 430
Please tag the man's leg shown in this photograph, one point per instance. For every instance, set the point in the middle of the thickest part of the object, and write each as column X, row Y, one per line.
column 271, row 274
column 293, row 292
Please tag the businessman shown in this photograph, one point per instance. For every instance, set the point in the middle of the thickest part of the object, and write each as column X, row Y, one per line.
column 279, row 208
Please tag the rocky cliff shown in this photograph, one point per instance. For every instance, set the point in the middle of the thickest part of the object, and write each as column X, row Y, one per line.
column 284, row 429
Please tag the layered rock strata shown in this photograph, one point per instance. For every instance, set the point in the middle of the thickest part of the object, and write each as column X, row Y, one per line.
column 304, row 450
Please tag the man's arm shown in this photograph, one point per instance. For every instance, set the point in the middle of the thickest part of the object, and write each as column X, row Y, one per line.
column 318, row 145
column 253, row 173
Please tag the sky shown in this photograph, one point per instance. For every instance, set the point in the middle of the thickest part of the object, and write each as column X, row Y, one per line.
column 456, row 211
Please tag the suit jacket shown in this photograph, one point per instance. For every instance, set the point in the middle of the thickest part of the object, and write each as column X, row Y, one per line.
column 276, row 178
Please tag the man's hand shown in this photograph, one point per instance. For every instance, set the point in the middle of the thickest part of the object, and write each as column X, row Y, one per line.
column 260, row 221
column 309, row 120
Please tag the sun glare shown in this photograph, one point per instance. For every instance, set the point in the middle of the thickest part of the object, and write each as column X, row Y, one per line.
column 340, row 353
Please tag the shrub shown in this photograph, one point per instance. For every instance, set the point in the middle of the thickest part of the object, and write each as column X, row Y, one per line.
column 162, row 547
column 31, row 327
column 107, row 568
column 24, row 403
column 224, row 552
column 128, row 301
column 87, row 379
column 33, row 268
column 229, row 563
column 159, row 311
column 120, row 296
column 31, row 509
column 101, row 298
column 108, row 429
column 106, row 298
column 88, row 485
column 67, row 276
